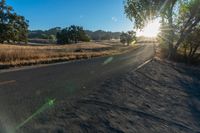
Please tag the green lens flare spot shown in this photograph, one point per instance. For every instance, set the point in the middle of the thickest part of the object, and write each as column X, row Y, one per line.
column 51, row 102
column 43, row 108
column 107, row 61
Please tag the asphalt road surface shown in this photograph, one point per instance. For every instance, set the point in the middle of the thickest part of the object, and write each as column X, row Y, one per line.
column 24, row 90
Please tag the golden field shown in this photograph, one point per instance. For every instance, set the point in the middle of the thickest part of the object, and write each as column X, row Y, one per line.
column 20, row 55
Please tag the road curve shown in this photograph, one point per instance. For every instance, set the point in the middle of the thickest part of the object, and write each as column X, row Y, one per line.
column 23, row 91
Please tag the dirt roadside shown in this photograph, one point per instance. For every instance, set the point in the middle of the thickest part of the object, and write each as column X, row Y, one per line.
column 161, row 97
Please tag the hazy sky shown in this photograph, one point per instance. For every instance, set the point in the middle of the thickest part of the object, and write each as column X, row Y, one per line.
column 91, row 14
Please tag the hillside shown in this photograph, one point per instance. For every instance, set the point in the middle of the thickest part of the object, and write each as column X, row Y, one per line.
column 49, row 36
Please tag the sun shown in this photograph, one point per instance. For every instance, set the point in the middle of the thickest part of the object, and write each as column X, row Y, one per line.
column 151, row 30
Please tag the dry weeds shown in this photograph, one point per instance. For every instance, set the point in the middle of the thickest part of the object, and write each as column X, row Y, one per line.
column 15, row 55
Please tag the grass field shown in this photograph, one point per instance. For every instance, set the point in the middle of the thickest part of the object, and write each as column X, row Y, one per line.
column 16, row 55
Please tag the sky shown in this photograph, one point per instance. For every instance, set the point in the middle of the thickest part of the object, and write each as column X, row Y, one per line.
column 93, row 15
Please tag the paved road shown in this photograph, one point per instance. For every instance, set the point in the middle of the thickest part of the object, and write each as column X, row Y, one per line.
column 23, row 91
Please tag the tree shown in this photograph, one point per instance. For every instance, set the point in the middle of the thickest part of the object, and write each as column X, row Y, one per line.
column 189, row 19
column 72, row 34
column 63, row 36
column 13, row 27
column 81, row 35
column 128, row 38
column 191, row 44
column 131, row 37
column 123, row 37
column 141, row 11
column 21, row 25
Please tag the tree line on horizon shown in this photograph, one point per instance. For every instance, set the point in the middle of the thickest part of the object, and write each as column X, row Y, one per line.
column 14, row 29
column 49, row 36
column 62, row 36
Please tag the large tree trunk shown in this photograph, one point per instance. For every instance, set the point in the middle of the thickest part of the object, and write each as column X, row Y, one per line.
column 185, row 31
column 172, row 52
column 170, row 36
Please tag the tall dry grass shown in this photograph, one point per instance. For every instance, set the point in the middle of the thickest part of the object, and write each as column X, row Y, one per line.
column 15, row 55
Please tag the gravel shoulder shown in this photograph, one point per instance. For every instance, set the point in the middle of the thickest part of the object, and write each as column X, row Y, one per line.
column 161, row 97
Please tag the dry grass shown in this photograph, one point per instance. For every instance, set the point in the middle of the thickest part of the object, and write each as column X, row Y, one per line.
column 15, row 55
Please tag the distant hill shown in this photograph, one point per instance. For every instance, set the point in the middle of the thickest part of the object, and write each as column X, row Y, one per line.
column 50, row 35
column 102, row 35
column 43, row 34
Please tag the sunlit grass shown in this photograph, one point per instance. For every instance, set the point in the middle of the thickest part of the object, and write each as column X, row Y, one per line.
column 15, row 55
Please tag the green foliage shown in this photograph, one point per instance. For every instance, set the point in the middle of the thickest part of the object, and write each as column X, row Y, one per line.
column 141, row 11
column 123, row 38
column 178, row 18
column 13, row 27
column 72, row 34
column 36, row 35
column 191, row 45
column 128, row 38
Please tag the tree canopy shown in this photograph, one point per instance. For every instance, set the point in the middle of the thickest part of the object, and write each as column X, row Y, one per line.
column 13, row 27
column 72, row 34
column 178, row 18
column 128, row 37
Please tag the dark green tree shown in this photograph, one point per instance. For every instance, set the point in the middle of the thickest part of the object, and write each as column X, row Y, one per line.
column 128, row 38
column 63, row 36
column 191, row 45
column 123, row 37
column 13, row 27
column 72, row 34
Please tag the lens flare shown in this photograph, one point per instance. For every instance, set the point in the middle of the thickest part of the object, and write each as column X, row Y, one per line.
column 44, row 107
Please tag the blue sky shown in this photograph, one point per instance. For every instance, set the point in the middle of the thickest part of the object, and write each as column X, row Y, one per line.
column 91, row 14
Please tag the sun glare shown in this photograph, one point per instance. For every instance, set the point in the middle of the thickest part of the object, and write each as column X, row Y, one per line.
column 151, row 30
